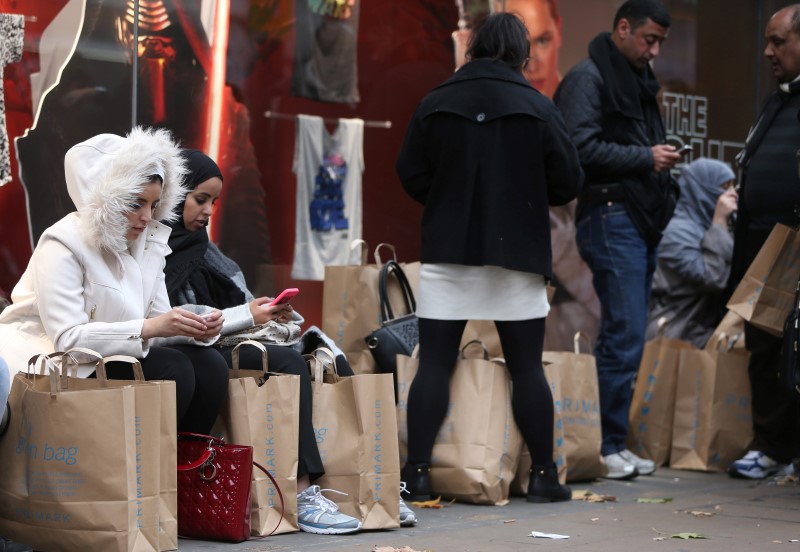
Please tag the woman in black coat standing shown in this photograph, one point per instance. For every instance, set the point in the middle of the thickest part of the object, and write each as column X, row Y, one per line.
column 486, row 155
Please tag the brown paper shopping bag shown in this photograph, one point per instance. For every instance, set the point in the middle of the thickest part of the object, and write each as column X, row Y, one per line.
column 263, row 411
column 653, row 403
column 477, row 448
column 76, row 480
column 351, row 303
column 765, row 294
column 155, row 415
column 356, row 428
column 713, row 420
column 575, row 375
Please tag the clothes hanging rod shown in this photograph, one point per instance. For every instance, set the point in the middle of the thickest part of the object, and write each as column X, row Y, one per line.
column 287, row 116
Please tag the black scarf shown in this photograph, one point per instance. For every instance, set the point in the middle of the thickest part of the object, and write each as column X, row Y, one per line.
column 771, row 108
column 187, row 269
column 624, row 88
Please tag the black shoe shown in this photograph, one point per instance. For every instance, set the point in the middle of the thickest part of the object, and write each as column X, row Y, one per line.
column 417, row 478
column 544, row 486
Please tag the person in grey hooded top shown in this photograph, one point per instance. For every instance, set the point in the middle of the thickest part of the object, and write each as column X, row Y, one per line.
column 96, row 277
column 694, row 256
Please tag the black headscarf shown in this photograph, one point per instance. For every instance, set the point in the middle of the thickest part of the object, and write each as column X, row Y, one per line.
column 186, row 267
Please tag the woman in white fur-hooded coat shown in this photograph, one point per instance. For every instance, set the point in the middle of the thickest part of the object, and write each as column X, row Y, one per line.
column 95, row 279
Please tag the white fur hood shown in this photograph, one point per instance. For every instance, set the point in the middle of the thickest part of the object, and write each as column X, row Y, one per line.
column 105, row 174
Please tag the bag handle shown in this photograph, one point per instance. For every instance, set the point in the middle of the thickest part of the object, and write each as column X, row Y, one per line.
column 235, row 356
column 208, row 456
column 392, row 267
column 363, row 245
column 138, row 373
column 69, row 363
column 44, row 361
column 319, row 369
column 576, row 340
column 475, row 342
column 377, row 252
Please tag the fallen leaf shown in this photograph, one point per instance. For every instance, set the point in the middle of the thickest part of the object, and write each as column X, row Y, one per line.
column 435, row 503
column 688, row 536
column 700, row 513
column 589, row 496
column 659, row 538
column 653, row 500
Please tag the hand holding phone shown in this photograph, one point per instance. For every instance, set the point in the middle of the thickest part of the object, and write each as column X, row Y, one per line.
column 685, row 150
column 284, row 297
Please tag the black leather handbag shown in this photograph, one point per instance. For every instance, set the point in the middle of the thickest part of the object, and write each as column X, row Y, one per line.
column 790, row 356
column 395, row 336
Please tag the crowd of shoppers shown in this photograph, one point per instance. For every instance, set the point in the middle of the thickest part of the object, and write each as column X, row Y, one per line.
column 485, row 154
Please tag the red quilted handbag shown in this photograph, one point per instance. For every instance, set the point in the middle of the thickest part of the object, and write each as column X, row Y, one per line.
column 214, row 488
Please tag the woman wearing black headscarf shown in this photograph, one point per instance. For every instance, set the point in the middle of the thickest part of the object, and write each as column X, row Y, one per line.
column 200, row 277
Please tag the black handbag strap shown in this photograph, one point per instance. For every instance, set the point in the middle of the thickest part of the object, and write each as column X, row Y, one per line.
column 206, row 456
column 393, row 268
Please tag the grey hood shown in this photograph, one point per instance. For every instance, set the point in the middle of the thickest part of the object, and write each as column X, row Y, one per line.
column 105, row 174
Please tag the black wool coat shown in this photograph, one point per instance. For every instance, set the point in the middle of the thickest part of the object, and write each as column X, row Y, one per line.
column 486, row 155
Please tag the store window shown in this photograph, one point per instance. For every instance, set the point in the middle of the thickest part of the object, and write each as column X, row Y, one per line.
column 233, row 77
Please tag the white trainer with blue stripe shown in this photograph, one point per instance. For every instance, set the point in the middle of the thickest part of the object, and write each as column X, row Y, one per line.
column 317, row 514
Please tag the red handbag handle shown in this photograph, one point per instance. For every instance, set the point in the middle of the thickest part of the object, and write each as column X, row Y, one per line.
column 280, row 495
column 209, row 452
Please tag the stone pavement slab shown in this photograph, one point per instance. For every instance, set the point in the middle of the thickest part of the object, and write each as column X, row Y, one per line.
column 746, row 516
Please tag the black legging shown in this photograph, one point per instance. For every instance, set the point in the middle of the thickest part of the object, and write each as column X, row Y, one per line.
column 429, row 395
column 285, row 360
column 201, row 381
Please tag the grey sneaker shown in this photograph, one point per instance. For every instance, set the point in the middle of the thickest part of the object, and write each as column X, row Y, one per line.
column 317, row 514
column 643, row 465
column 407, row 517
column 619, row 467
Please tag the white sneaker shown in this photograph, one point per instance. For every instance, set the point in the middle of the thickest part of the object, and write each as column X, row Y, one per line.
column 619, row 467
column 317, row 514
column 754, row 465
column 643, row 465
column 407, row 517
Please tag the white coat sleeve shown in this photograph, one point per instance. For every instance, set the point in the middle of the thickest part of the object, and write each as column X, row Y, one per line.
column 59, row 288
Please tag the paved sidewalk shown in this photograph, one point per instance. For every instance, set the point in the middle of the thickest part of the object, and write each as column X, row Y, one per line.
column 746, row 516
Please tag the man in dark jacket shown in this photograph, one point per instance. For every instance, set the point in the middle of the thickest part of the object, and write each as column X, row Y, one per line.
column 609, row 105
column 770, row 194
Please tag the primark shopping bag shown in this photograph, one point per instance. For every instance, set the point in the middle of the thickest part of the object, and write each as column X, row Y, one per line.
column 574, row 374
column 263, row 411
column 713, row 419
column 478, row 445
column 652, row 408
column 765, row 295
column 356, row 428
column 76, row 480
column 163, row 451
column 351, row 303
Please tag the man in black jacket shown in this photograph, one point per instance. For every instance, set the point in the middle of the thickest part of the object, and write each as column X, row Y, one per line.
column 609, row 105
column 770, row 194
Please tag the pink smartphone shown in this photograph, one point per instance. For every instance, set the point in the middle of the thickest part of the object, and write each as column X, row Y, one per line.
column 284, row 297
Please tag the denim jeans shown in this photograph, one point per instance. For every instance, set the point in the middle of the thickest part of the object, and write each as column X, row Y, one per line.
column 622, row 273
